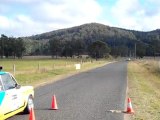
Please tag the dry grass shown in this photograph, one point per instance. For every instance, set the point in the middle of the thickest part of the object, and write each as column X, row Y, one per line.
column 144, row 89
column 37, row 71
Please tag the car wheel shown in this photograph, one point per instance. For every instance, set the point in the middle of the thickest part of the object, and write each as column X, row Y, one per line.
column 30, row 105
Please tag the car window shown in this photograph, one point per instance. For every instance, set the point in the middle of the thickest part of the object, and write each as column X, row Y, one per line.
column 1, row 87
column 8, row 82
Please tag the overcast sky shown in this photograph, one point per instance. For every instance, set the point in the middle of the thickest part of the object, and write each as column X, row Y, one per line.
column 30, row 17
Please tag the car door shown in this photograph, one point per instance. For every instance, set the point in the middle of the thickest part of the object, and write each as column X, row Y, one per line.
column 9, row 101
column 19, row 98
column 2, row 97
column 12, row 100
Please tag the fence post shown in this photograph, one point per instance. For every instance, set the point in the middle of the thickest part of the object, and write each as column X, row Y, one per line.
column 14, row 69
column 38, row 66
column 53, row 66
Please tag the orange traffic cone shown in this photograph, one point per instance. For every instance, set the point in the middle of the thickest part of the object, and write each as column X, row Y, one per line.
column 32, row 115
column 129, row 107
column 54, row 103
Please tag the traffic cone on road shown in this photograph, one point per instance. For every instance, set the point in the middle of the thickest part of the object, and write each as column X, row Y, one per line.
column 32, row 115
column 129, row 107
column 54, row 103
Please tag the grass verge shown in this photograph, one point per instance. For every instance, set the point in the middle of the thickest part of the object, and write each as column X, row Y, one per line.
column 38, row 71
column 144, row 89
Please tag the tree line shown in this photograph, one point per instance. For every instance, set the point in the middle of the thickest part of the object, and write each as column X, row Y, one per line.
column 95, row 40
column 97, row 49
column 11, row 47
column 121, row 42
column 17, row 47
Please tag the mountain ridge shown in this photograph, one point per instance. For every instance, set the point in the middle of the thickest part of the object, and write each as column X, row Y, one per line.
column 121, row 41
column 88, row 24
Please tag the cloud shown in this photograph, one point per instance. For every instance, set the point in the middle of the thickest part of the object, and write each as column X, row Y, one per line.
column 68, row 11
column 19, row 1
column 28, row 17
column 132, row 14
column 154, row 2
column 4, row 22
column 126, row 12
column 49, row 15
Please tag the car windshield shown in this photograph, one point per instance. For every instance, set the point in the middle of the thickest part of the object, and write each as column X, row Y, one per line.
column 8, row 81
column 1, row 87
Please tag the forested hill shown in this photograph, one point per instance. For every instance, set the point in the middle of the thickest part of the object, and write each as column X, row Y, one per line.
column 94, row 31
column 121, row 41
column 87, row 31
column 95, row 40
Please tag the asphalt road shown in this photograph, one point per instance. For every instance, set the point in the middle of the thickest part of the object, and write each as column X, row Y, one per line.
column 86, row 96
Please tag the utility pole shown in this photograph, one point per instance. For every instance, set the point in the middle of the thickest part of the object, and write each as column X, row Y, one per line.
column 130, row 54
column 135, row 50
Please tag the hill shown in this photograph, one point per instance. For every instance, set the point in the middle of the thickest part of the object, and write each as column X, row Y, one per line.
column 86, row 31
column 121, row 41
column 94, row 30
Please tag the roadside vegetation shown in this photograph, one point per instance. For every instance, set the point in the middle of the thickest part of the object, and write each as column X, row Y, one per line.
column 38, row 71
column 144, row 89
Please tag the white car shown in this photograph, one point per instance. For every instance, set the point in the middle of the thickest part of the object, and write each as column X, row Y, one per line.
column 13, row 97
column 128, row 59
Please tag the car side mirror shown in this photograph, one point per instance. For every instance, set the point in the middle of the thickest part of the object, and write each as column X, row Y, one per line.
column 17, row 86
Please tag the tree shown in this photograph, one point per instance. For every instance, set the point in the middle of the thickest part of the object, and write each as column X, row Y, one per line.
column 68, row 49
column 55, row 47
column 156, row 46
column 3, row 45
column 119, row 51
column 98, row 49
column 141, row 50
column 11, row 47
column 78, row 46
column 45, row 49
column 19, row 47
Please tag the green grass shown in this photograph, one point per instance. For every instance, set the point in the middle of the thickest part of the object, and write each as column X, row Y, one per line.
column 144, row 89
column 37, row 71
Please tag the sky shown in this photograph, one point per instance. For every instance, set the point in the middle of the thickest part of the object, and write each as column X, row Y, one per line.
column 30, row 17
